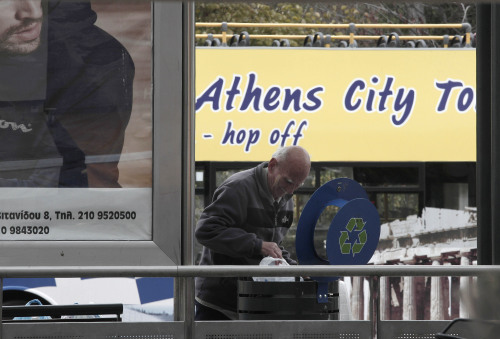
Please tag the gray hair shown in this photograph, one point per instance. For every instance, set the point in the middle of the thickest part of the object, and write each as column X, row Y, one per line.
column 282, row 152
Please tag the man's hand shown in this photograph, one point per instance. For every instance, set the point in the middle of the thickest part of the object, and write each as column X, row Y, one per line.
column 271, row 249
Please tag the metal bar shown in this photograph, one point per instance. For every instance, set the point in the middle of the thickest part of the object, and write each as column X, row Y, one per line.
column 334, row 37
column 326, row 271
column 168, row 105
column 297, row 25
column 458, row 26
column 483, row 133
column 375, row 305
column 188, row 80
column 245, row 271
column 189, row 96
column 57, row 311
column 495, row 135
column 270, row 25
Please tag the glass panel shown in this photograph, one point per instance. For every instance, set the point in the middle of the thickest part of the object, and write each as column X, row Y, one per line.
column 397, row 186
column 76, row 146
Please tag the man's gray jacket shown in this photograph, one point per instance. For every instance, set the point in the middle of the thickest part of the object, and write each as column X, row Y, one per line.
column 232, row 229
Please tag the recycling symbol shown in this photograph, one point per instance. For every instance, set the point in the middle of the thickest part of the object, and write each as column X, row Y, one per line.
column 354, row 238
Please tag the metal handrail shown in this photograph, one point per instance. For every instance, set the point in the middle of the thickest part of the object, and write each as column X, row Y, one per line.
column 245, row 271
column 187, row 273
column 58, row 311
column 340, row 26
column 351, row 27
column 333, row 37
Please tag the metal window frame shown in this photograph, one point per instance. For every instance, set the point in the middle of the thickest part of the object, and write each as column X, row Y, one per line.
column 172, row 169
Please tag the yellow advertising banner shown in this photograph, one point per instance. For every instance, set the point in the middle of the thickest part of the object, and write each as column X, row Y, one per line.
column 340, row 104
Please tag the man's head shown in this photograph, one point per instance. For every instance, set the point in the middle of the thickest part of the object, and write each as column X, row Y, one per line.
column 287, row 170
column 20, row 26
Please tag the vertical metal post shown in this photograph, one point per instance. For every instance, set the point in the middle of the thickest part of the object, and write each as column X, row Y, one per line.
column 495, row 135
column 374, row 305
column 422, row 197
column 173, row 73
column 188, row 97
column 483, row 131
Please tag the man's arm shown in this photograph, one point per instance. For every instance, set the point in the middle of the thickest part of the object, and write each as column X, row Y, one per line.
column 220, row 225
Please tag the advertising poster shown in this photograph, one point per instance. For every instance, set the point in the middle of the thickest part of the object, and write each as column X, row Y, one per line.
column 341, row 104
column 75, row 121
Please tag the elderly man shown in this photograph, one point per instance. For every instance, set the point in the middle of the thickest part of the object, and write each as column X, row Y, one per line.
column 247, row 220
column 65, row 96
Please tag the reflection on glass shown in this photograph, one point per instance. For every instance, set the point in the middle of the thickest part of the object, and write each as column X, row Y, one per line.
column 66, row 95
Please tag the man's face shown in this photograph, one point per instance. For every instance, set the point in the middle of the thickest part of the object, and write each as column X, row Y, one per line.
column 20, row 26
column 285, row 178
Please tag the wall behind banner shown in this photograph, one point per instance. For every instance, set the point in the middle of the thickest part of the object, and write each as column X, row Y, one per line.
column 340, row 104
